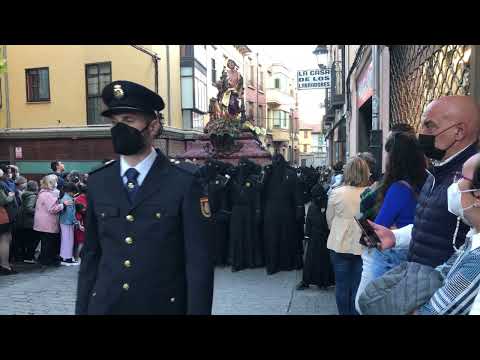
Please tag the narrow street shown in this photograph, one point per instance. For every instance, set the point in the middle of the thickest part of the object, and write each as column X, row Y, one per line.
column 248, row 292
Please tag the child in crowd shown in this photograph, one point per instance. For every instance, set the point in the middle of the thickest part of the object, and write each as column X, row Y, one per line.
column 67, row 225
column 81, row 213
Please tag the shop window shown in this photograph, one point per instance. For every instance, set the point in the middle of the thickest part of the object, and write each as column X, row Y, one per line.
column 38, row 84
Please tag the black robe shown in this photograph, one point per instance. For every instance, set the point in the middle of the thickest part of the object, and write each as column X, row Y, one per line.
column 217, row 182
column 283, row 218
column 246, row 248
column 221, row 209
column 317, row 269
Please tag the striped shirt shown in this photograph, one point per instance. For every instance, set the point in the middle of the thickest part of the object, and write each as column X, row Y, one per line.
column 461, row 281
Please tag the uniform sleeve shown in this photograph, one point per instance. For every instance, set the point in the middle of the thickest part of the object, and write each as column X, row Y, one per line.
column 90, row 256
column 199, row 253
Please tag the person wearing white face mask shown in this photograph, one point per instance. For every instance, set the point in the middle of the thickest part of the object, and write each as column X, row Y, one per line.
column 450, row 129
column 461, row 272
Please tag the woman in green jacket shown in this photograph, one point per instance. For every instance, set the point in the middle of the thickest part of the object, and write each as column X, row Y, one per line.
column 28, row 238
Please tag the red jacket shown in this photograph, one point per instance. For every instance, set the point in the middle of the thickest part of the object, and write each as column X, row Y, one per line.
column 81, row 213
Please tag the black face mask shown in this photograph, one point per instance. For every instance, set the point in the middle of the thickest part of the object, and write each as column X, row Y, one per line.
column 127, row 140
column 427, row 144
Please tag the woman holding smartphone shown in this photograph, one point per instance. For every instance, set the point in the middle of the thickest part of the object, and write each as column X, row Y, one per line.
column 404, row 177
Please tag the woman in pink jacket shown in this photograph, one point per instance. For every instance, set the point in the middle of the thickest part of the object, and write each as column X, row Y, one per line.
column 46, row 220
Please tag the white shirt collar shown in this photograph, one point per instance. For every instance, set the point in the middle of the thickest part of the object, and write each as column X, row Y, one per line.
column 142, row 167
column 446, row 161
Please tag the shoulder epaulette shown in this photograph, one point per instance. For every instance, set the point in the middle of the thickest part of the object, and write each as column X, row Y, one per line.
column 104, row 166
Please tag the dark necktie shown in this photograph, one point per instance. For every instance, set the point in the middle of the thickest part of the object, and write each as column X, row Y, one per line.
column 132, row 184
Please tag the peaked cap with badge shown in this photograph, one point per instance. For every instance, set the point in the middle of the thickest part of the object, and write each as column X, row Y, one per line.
column 125, row 96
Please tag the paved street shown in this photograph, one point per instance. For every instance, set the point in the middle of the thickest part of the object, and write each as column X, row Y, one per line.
column 248, row 292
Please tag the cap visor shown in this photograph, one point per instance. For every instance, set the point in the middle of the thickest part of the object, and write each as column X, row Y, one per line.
column 122, row 110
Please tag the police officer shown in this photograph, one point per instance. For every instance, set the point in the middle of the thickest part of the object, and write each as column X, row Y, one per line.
column 147, row 249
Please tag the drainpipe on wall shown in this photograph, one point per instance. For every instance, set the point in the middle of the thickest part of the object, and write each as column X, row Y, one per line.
column 168, row 87
column 155, row 59
column 8, row 123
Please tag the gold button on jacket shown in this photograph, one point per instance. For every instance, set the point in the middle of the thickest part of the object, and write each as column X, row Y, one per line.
column 160, row 234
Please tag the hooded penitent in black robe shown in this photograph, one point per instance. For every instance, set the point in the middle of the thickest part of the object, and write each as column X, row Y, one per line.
column 217, row 179
column 246, row 249
column 284, row 210
column 317, row 269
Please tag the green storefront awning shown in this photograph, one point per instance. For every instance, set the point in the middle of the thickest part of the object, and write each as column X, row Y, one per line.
column 43, row 167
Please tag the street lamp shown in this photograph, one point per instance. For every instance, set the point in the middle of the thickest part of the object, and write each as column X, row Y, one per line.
column 321, row 52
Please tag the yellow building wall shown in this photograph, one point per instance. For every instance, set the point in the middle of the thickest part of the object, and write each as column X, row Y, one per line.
column 305, row 141
column 67, row 85
column 173, row 105
column 67, row 80
column 3, row 109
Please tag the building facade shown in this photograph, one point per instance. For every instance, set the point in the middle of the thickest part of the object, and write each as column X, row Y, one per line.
column 51, row 101
column 305, row 146
column 282, row 113
column 388, row 85
column 319, row 146
column 334, row 125
column 255, row 98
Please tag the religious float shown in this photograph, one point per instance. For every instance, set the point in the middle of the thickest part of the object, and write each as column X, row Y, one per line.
column 228, row 135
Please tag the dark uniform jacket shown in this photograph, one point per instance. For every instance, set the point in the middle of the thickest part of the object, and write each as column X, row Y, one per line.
column 152, row 257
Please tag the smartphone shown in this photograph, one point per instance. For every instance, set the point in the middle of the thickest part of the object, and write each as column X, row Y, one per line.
column 369, row 233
